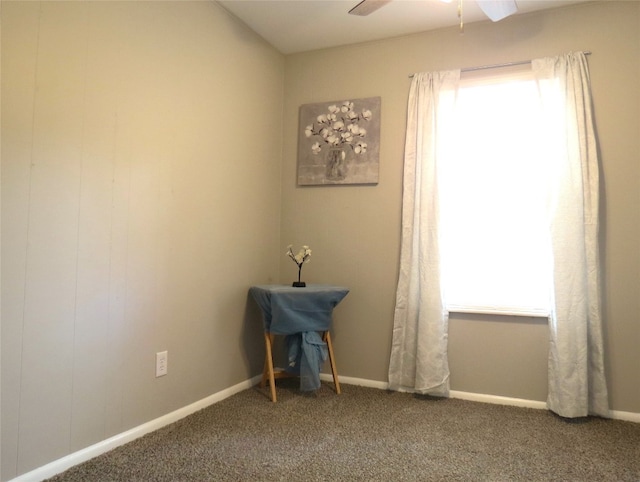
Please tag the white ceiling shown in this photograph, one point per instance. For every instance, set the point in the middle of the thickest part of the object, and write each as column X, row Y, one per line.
column 300, row 25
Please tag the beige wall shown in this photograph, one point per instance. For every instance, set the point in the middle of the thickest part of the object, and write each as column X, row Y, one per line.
column 143, row 149
column 355, row 231
column 141, row 152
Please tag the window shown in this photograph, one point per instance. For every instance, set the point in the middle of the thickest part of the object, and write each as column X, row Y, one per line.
column 492, row 185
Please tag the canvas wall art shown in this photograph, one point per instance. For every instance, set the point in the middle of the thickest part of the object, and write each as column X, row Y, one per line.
column 339, row 142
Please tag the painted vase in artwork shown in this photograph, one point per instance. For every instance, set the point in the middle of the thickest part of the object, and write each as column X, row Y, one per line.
column 336, row 165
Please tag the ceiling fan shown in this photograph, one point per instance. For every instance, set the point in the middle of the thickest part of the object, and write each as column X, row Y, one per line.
column 494, row 9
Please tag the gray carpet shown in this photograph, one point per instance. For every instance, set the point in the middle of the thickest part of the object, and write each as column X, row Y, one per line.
column 366, row 434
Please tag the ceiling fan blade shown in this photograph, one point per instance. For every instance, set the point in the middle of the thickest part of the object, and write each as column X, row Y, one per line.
column 498, row 9
column 365, row 7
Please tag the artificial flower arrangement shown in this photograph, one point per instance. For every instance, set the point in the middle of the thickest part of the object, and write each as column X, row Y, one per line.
column 303, row 256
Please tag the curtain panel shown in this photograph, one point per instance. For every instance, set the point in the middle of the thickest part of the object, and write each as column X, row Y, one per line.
column 419, row 347
column 418, row 362
column 577, row 385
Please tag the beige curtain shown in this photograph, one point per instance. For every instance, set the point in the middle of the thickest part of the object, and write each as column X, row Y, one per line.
column 419, row 347
column 577, row 385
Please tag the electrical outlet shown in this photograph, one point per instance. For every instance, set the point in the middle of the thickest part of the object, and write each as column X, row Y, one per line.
column 162, row 363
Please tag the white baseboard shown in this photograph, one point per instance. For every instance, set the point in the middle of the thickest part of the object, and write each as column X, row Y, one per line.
column 498, row 400
column 479, row 397
column 518, row 402
column 361, row 382
column 475, row 397
column 626, row 416
column 60, row 465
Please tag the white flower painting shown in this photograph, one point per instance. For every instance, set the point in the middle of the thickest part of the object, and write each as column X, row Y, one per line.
column 339, row 142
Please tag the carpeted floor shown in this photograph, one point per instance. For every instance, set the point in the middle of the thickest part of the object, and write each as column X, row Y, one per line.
column 366, row 434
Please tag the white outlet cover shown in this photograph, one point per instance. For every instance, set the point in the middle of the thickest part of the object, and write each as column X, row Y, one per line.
column 162, row 363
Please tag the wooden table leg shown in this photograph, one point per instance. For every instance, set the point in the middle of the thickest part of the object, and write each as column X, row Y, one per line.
column 265, row 372
column 268, row 369
column 332, row 361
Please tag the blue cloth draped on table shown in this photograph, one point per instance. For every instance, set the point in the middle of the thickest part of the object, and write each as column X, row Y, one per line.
column 305, row 354
column 300, row 313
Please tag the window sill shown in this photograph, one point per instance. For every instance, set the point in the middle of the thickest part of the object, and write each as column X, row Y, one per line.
column 531, row 313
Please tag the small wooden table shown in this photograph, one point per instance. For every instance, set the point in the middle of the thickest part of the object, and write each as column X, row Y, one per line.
column 287, row 310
